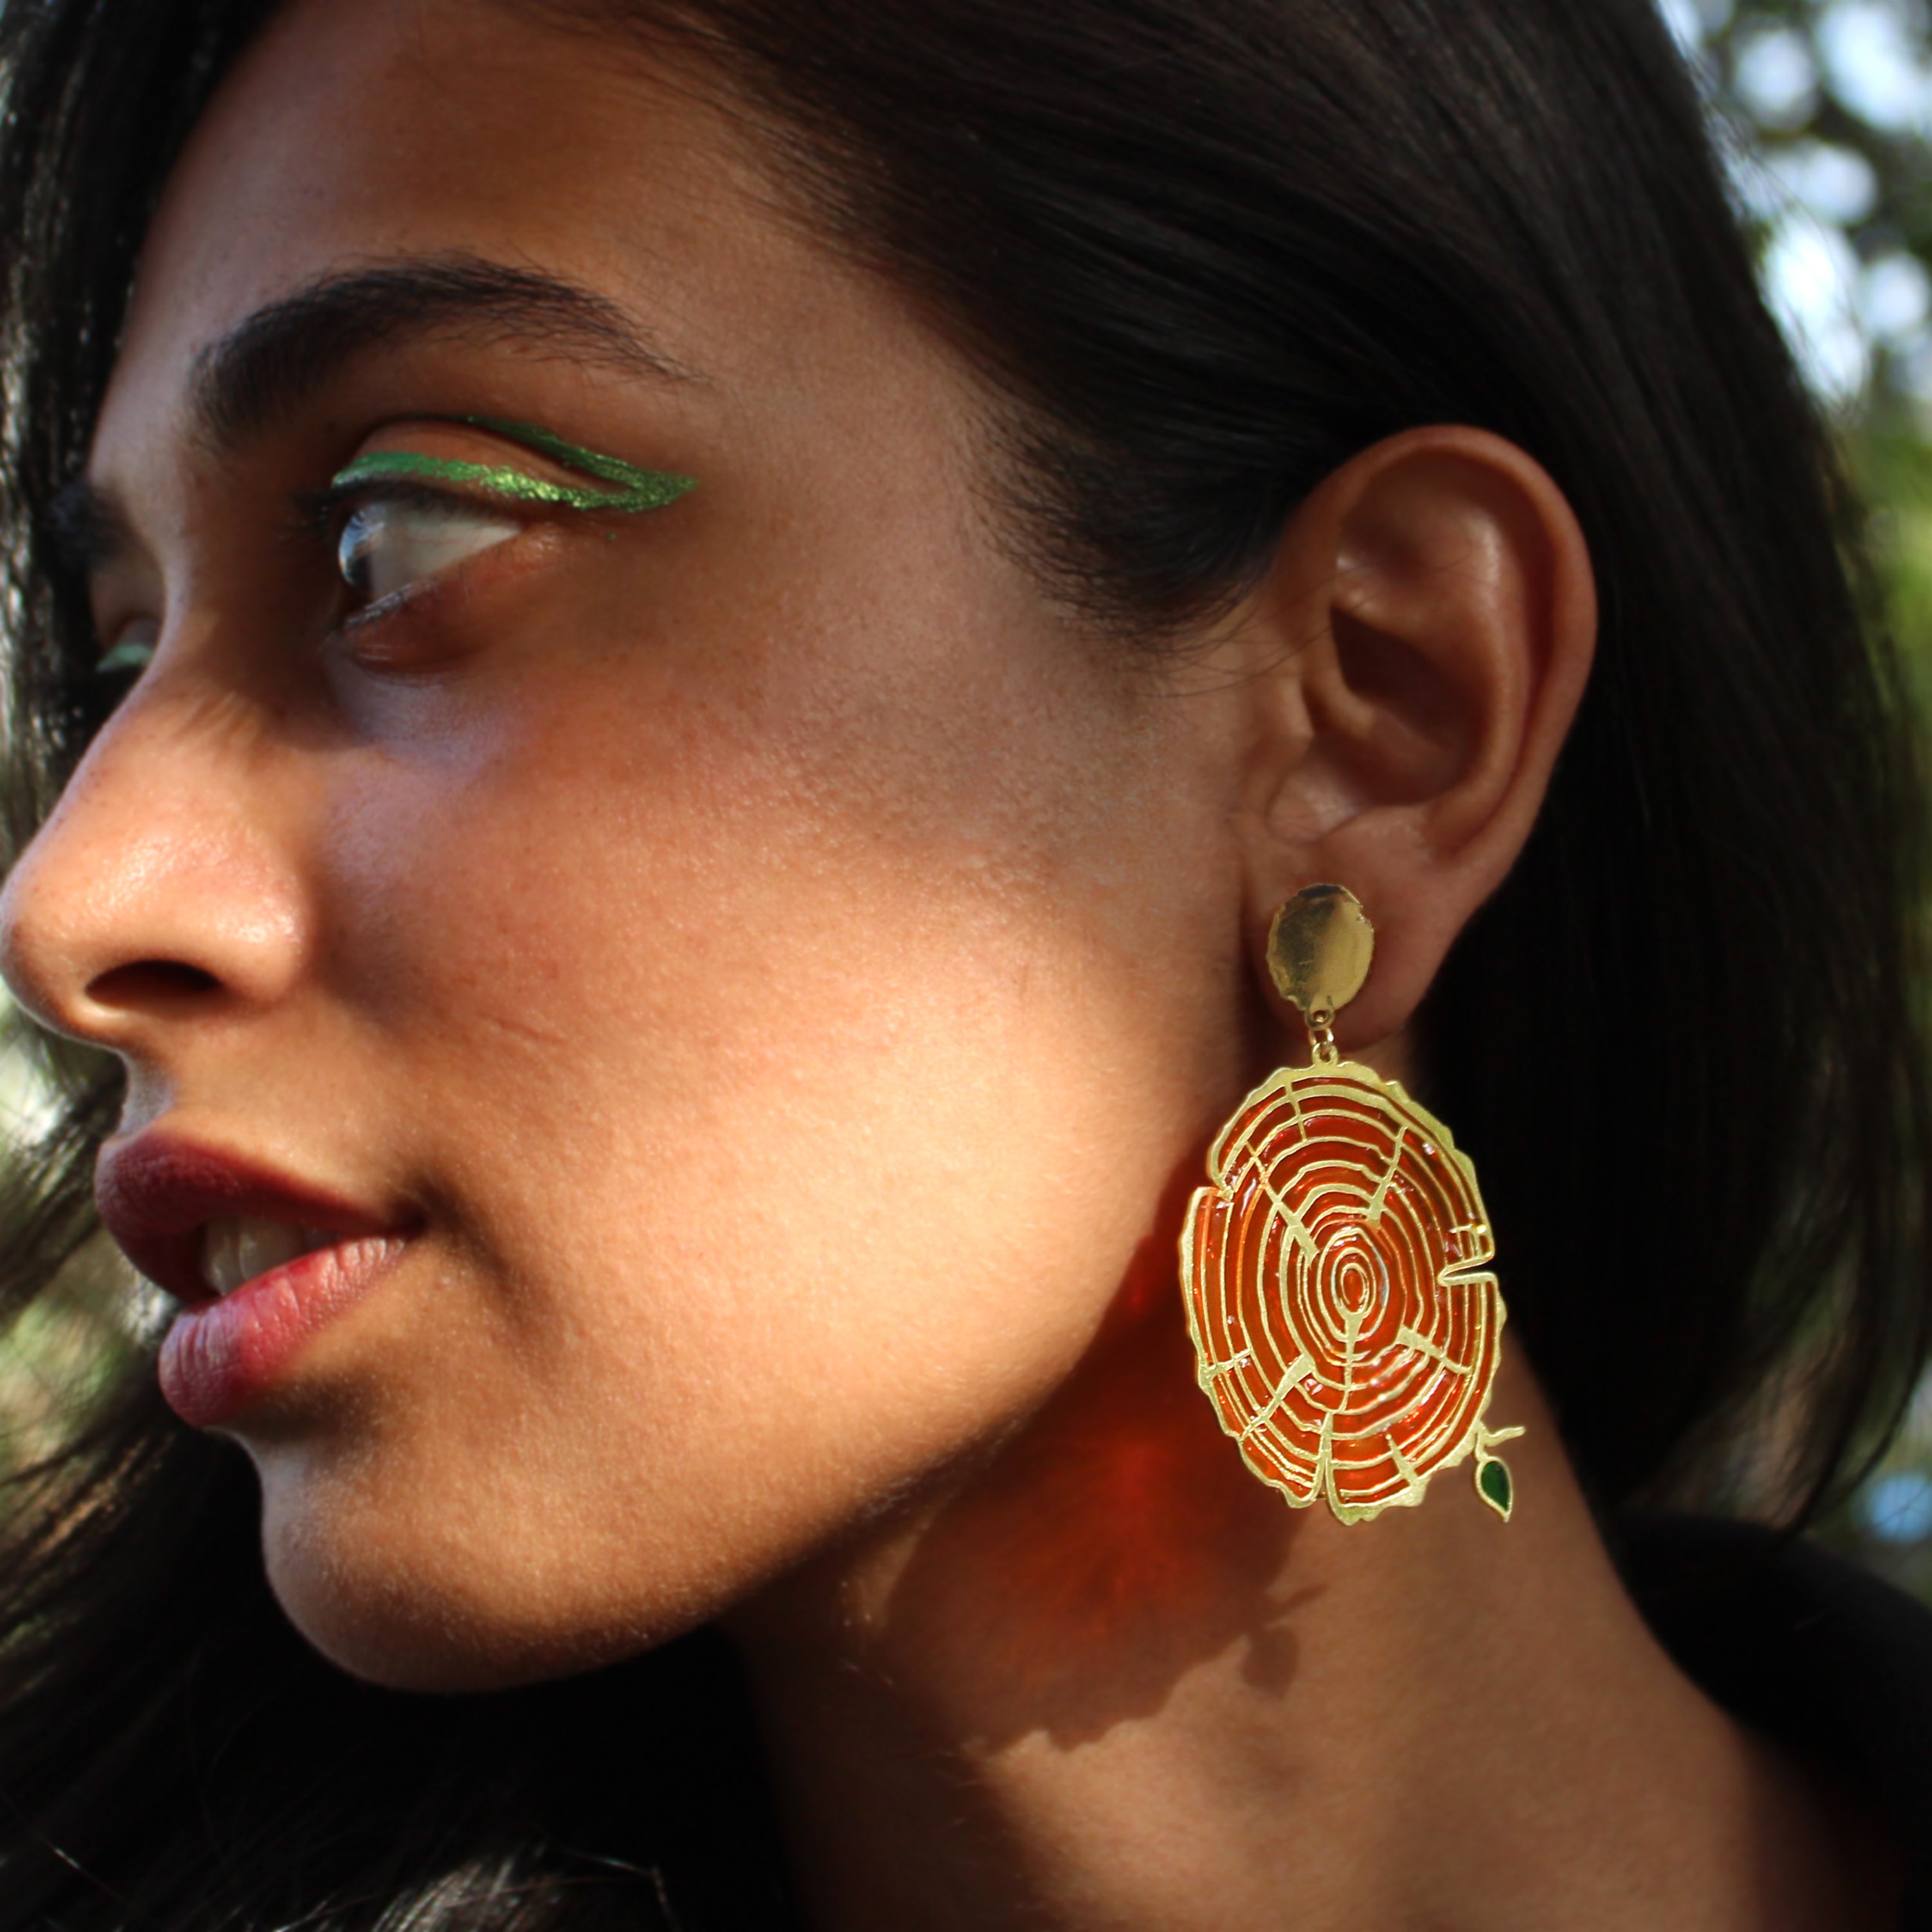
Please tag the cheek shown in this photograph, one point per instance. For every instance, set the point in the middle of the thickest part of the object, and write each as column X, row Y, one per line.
column 793, row 1086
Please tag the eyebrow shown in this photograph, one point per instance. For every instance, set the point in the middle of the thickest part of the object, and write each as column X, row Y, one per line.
column 267, row 365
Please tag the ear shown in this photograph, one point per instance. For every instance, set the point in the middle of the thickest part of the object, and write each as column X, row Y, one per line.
column 1417, row 655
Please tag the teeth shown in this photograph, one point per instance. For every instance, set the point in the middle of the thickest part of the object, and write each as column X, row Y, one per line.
column 235, row 1250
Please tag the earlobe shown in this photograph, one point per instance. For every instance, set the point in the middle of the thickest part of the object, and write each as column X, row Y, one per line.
column 1433, row 608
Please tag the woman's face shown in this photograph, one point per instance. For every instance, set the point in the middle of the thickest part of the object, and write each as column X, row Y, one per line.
column 719, row 989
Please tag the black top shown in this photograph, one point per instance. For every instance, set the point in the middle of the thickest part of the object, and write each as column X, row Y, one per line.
column 1806, row 1648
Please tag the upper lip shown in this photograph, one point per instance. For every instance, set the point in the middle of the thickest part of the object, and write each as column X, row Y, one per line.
column 157, row 1192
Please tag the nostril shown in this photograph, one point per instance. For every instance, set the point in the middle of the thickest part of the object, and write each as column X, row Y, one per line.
column 148, row 983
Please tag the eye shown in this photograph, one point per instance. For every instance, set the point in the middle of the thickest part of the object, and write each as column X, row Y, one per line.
column 391, row 543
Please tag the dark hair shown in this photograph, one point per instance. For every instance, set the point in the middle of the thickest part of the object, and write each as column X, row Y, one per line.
column 1207, row 251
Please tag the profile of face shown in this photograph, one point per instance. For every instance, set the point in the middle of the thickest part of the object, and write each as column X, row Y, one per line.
column 685, row 981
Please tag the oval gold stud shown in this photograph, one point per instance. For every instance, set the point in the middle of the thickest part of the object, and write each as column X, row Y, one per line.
column 1320, row 948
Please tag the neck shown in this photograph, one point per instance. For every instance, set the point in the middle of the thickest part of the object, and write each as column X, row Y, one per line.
column 1108, row 1680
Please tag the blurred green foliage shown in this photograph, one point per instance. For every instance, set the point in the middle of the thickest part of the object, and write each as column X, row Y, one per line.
column 76, row 1340
column 1827, row 109
column 1829, row 102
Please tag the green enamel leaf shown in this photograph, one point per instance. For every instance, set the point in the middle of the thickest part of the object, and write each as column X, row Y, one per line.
column 1493, row 1485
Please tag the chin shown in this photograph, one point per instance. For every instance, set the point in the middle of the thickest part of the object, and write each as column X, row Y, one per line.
column 403, row 1640
column 448, row 1612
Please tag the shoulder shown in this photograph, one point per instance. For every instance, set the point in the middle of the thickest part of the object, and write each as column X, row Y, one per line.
column 1806, row 1648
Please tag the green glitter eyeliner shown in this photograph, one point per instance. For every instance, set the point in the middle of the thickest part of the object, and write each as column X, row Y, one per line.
column 129, row 655
column 621, row 486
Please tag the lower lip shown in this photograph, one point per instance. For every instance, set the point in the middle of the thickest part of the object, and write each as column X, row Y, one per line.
column 222, row 1356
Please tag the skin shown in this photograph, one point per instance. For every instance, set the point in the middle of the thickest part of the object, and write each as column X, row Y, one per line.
column 787, row 970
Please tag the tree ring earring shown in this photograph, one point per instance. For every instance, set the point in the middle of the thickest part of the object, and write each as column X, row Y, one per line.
column 1345, row 1322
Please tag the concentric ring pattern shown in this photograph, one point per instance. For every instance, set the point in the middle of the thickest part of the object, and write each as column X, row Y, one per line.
column 1346, row 1326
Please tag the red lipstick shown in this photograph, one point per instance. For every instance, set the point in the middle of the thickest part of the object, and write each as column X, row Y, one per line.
column 157, row 1194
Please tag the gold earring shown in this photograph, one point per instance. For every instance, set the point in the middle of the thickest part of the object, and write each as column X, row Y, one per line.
column 1346, row 1324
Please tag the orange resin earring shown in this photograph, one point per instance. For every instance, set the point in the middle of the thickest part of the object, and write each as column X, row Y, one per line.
column 1336, row 1266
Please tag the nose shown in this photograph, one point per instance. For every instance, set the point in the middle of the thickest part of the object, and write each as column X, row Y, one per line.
column 162, row 884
